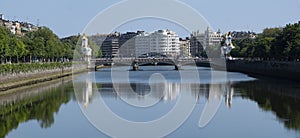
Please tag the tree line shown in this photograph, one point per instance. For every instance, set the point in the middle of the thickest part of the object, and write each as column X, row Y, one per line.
column 39, row 46
column 280, row 43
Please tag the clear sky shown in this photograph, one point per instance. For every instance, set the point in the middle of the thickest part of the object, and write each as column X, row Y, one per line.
column 69, row 17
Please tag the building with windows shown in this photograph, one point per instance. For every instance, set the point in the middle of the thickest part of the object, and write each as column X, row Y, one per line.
column 199, row 41
column 110, row 47
column 117, row 44
column 142, row 44
column 136, row 44
column 109, row 44
column 127, row 44
column 16, row 27
column 185, row 49
column 164, row 42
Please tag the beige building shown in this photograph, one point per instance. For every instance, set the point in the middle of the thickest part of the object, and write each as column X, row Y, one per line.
column 199, row 41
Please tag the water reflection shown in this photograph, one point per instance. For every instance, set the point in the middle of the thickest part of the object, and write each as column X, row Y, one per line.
column 87, row 92
column 157, row 91
column 35, row 103
column 280, row 97
column 162, row 91
column 42, row 103
column 229, row 94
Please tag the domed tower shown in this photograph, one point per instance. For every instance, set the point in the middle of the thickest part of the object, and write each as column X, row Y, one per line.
column 84, row 42
column 86, row 50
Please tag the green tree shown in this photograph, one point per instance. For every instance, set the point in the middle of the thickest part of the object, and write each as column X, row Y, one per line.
column 45, row 44
column 97, row 52
column 243, row 47
column 72, row 46
column 262, row 47
column 4, row 43
column 271, row 32
column 18, row 48
column 287, row 43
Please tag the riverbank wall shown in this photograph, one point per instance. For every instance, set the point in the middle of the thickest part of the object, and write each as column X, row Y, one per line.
column 275, row 69
column 24, row 74
column 12, row 81
column 16, row 95
column 287, row 70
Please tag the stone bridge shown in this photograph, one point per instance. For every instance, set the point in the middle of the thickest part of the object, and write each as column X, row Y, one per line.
column 136, row 62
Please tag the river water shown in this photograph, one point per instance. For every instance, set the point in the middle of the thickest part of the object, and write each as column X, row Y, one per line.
column 153, row 102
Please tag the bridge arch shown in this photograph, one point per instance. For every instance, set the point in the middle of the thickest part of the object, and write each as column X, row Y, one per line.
column 136, row 62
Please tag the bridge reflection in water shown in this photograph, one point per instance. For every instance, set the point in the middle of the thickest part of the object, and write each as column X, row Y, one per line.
column 157, row 91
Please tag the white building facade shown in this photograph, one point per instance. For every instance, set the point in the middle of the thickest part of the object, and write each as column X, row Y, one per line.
column 164, row 42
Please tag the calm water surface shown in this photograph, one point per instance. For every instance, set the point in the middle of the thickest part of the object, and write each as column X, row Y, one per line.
column 250, row 107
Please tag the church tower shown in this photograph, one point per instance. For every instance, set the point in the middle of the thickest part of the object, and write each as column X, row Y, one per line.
column 86, row 50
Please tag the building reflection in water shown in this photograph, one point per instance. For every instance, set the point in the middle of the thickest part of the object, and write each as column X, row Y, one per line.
column 229, row 94
column 87, row 92
column 265, row 93
column 158, row 91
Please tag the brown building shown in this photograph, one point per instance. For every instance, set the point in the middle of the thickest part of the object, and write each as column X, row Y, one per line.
column 116, row 44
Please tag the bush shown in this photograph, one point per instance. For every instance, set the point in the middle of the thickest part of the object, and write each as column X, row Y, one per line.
column 31, row 67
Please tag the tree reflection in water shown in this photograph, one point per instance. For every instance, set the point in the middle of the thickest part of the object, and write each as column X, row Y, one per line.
column 38, row 103
column 282, row 98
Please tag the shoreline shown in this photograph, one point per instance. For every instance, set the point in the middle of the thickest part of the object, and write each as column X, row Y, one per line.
column 17, row 94
column 274, row 70
column 280, row 70
column 35, row 78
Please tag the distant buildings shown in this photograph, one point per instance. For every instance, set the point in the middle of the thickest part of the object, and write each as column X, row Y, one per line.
column 164, row 42
column 116, row 44
column 127, row 44
column 109, row 43
column 140, row 43
column 199, row 41
column 160, row 42
column 243, row 34
column 16, row 27
column 196, row 46
column 185, row 47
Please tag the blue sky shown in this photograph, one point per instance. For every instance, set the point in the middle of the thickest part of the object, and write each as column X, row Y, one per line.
column 68, row 17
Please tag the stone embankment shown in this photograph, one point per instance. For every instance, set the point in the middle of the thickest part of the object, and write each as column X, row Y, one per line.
column 22, row 79
column 275, row 69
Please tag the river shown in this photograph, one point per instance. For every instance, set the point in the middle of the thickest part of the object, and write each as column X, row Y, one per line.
column 153, row 102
